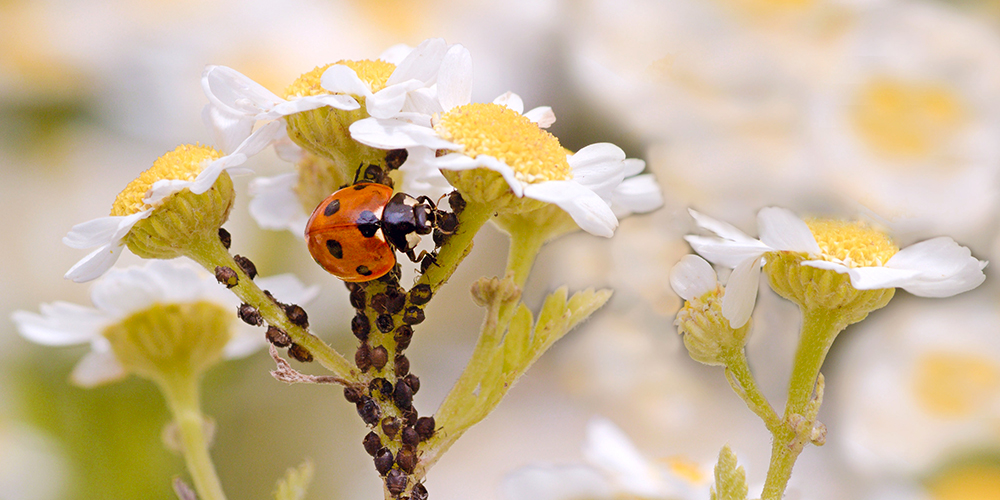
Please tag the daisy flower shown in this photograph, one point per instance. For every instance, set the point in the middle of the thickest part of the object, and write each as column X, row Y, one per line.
column 938, row 267
column 124, row 296
column 530, row 168
column 200, row 171
column 614, row 468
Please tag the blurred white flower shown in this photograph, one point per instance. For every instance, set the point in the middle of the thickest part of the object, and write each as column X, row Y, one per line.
column 938, row 267
column 122, row 293
column 907, row 125
column 920, row 387
column 32, row 466
column 614, row 468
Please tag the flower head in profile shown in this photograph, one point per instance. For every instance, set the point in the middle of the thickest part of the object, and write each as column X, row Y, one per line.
column 614, row 468
column 708, row 334
column 497, row 155
column 938, row 267
column 188, row 192
column 165, row 313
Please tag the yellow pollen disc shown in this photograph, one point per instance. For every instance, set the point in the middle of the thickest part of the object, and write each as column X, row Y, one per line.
column 183, row 164
column 498, row 131
column 686, row 469
column 970, row 482
column 855, row 244
column 374, row 73
column 955, row 384
column 906, row 119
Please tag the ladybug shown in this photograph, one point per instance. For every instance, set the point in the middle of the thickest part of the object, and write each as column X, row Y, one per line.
column 354, row 232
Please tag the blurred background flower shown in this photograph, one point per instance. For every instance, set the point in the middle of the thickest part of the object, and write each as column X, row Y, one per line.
column 888, row 108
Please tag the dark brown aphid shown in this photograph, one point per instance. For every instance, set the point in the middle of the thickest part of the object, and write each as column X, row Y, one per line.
column 372, row 443
column 424, row 427
column 225, row 238
column 278, row 337
column 395, row 158
column 361, row 326
column 353, row 394
column 402, row 365
column 410, row 416
column 300, row 353
column 368, row 410
column 410, row 437
column 395, row 300
column 358, row 296
column 419, row 492
column 383, row 461
column 413, row 382
column 406, row 459
column 396, row 481
column 420, row 294
column 413, row 315
column 362, row 357
column 428, row 261
column 390, row 426
column 250, row 315
column 384, row 323
column 379, row 357
column 381, row 385
column 402, row 395
column 403, row 336
column 227, row 276
column 297, row 315
column 246, row 265
column 456, row 202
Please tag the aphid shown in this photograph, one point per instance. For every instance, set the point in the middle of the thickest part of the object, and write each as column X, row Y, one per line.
column 354, row 232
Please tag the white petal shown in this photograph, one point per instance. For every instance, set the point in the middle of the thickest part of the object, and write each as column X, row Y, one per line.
column 724, row 252
column 724, row 230
column 543, row 116
column 255, row 143
column 396, row 134
column 274, row 204
column 298, row 105
column 867, row 278
column 61, row 323
column 692, row 277
column 93, row 232
column 946, row 268
column 396, row 53
column 600, row 167
column 609, row 449
column 587, row 209
column 781, row 229
column 421, row 64
column 638, row 194
column 511, row 100
column 96, row 368
column 454, row 82
column 95, row 263
column 634, row 166
column 340, row 79
column 388, row 102
column 556, row 482
column 741, row 292
column 228, row 129
column 235, row 93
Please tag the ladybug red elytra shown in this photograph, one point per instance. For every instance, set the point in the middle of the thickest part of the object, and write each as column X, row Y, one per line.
column 354, row 232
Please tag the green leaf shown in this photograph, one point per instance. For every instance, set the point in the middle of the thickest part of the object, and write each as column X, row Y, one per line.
column 730, row 479
column 295, row 483
column 517, row 342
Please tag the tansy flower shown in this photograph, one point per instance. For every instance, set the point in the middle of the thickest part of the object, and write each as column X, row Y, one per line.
column 125, row 297
column 192, row 169
column 938, row 267
column 529, row 164
column 614, row 468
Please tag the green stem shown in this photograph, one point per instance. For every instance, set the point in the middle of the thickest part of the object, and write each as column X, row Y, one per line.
column 456, row 411
column 181, row 393
column 819, row 329
column 745, row 385
column 210, row 253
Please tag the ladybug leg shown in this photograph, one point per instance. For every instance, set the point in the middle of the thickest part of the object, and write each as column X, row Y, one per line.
column 427, row 260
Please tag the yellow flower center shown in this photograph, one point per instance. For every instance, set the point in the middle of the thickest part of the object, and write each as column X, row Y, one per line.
column 498, row 131
column 374, row 73
column 183, row 163
column 978, row 481
column 955, row 384
column 854, row 244
column 907, row 119
column 686, row 470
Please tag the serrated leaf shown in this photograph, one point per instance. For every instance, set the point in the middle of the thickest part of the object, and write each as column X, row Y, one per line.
column 730, row 479
column 585, row 303
column 295, row 483
column 517, row 342
column 553, row 308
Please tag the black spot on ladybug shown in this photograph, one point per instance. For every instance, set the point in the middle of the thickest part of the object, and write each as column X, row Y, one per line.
column 363, row 270
column 333, row 246
column 395, row 158
column 332, row 208
column 368, row 224
column 359, row 187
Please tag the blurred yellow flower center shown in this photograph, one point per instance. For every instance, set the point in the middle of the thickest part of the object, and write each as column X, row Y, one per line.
column 183, row 163
column 498, row 131
column 855, row 244
column 907, row 119
column 686, row 469
column 374, row 73
column 970, row 482
column 955, row 384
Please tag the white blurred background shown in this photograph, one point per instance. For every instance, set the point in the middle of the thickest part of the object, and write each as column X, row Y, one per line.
column 888, row 109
